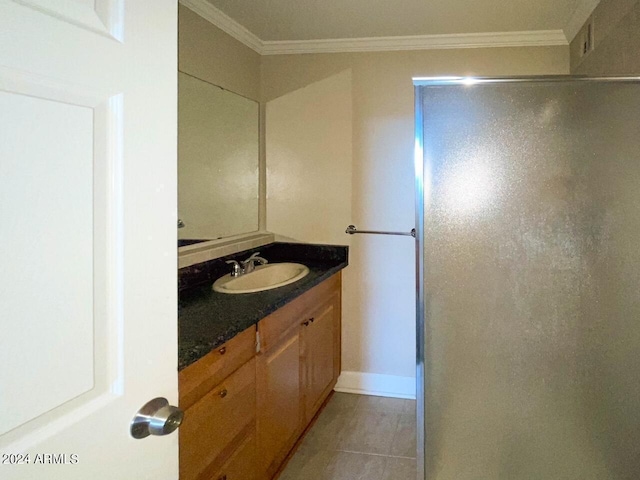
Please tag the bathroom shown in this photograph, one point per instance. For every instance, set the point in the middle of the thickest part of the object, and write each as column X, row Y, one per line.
column 310, row 189
column 363, row 102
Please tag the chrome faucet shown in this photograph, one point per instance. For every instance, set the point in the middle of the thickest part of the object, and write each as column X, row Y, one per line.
column 246, row 266
column 236, row 269
column 250, row 263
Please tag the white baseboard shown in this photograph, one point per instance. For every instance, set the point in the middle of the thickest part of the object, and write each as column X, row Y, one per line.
column 376, row 384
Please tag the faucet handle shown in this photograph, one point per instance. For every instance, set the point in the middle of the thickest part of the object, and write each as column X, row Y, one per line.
column 250, row 263
column 253, row 258
column 236, row 268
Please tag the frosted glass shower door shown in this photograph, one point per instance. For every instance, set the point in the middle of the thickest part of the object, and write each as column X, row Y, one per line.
column 529, row 279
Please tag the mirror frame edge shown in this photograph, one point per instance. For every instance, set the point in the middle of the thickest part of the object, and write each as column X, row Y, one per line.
column 212, row 249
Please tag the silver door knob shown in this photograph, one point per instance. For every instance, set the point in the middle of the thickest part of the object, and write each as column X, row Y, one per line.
column 156, row 417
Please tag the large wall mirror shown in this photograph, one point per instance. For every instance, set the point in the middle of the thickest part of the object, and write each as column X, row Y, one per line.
column 218, row 145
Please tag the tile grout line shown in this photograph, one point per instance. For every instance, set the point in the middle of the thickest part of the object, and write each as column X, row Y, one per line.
column 372, row 454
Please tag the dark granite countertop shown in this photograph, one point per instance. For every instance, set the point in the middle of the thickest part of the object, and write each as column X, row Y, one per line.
column 207, row 319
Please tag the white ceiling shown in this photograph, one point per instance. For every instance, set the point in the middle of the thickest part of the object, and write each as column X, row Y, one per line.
column 292, row 20
column 312, row 26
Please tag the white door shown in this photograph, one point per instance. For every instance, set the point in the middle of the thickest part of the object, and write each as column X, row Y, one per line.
column 87, row 236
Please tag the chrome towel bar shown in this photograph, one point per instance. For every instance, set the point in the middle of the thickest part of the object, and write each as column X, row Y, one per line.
column 351, row 229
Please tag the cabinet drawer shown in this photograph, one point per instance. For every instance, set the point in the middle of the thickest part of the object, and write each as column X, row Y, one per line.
column 273, row 327
column 242, row 463
column 200, row 377
column 216, row 425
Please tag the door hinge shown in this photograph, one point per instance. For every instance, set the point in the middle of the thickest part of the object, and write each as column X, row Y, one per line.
column 258, row 346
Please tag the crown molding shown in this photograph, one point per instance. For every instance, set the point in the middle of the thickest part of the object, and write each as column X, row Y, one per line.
column 583, row 11
column 375, row 44
column 224, row 23
column 418, row 42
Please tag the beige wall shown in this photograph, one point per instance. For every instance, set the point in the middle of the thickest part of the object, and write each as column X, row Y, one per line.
column 208, row 53
column 309, row 147
column 282, row 74
column 616, row 27
column 379, row 287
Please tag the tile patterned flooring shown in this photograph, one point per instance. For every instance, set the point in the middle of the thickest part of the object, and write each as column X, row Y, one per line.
column 358, row 437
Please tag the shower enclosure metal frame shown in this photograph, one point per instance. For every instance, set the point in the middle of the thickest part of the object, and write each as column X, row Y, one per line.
column 421, row 320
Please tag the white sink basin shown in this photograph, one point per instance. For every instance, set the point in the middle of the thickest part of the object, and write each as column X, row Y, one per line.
column 264, row 277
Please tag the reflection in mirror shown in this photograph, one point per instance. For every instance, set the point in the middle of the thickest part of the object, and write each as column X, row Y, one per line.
column 217, row 162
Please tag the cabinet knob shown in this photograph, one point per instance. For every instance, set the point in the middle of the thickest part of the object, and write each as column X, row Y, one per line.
column 312, row 319
column 222, row 351
column 223, row 393
column 305, row 323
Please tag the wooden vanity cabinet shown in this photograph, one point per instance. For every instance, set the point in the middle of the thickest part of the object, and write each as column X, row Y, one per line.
column 244, row 411
column 297, row 368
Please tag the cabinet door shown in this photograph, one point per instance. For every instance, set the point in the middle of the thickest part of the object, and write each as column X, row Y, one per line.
column 319, row 354
column 278, row 397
